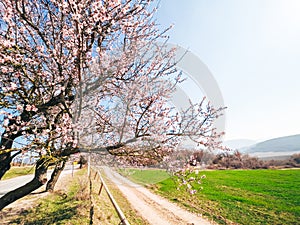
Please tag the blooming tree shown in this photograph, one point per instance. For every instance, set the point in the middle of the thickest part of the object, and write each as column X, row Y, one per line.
column 46, row 47
column 71, row 70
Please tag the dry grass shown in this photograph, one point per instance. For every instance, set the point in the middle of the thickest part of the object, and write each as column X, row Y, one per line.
column 70, row 203
column 104, row 210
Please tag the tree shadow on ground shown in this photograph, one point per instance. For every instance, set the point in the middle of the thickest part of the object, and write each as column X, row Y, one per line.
column 41, row 216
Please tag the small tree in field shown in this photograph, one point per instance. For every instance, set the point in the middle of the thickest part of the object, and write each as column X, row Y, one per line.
column 87, row 75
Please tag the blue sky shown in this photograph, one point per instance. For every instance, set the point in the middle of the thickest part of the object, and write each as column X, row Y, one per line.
column 252, row 47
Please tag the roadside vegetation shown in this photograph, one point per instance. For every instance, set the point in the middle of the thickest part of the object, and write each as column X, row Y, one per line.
column 72, row 205
column 237, row 196
column 60, row 207
column 18, row 171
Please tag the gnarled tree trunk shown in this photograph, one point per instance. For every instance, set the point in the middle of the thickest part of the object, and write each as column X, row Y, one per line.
column 55, row 175
column 40, row 178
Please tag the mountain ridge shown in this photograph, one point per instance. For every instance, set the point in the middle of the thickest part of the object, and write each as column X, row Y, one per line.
column 281, row 144
column 275, row 147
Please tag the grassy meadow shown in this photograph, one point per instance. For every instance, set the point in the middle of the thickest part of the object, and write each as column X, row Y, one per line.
column 145, row 177
column 235, row 196
column 18, row 171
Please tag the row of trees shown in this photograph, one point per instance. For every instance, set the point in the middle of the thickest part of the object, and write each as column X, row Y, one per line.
column 244, row 161
column 231, row 160
column 226, row 160
column 88, row 76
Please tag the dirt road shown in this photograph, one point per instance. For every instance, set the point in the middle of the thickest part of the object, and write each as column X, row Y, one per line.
column 155, row 209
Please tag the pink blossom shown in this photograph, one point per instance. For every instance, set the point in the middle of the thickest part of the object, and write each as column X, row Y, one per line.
column 6, row 122
column 13, row 86
column 28, row 108
column 19, row 107
column 4, row 69
column 34, row 108
column 192, row 192
column 31, row 108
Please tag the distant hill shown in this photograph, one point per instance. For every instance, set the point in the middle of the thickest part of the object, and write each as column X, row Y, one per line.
column 239, row 143
column 281, row 145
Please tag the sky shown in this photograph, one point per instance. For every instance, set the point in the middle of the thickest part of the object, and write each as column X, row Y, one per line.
column 252, row 48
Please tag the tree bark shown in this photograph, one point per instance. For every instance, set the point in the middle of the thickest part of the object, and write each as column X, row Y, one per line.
column 5, row 160
column 40, row 178
column 55, row 175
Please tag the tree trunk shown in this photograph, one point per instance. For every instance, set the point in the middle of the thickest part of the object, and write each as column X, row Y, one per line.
column 55, row 175
column 5, row 160
column 40, row 178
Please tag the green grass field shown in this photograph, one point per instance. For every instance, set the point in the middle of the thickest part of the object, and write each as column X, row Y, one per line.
column 18, row 171
column 237, row 196
column 146, row 177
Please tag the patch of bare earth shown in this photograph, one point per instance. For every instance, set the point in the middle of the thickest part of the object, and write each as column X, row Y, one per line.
column 30, row 201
